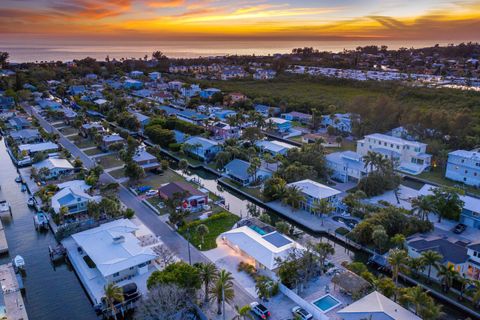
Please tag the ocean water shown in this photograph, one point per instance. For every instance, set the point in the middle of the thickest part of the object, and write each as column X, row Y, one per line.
column 53, row 50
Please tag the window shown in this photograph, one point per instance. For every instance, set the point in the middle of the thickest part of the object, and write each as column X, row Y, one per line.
column 116, row 274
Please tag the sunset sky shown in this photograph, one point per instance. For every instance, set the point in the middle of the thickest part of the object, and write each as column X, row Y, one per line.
column 242, row 19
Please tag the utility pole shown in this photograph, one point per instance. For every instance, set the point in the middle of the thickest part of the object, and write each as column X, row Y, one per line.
column 189, row 255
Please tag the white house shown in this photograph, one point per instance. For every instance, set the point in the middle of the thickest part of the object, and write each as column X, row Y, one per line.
column 38, row 147
column 340, row 121
column 346, row 166
column 146, row 160
column 375, row 306
column 203, row 148
column 464, row 166
column 274, row 147
column 74, row 198
column 410, row 156
column 263, row 248
column 115, row 255
column 237, row 170
column 314, row 192
column 55, row 167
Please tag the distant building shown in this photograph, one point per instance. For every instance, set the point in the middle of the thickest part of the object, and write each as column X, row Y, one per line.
column 234, row 97
column 346, row 166
column 77, row 90
column 340, row 121
column 88, row 128
column 262, row 74
column 266, row 111
column 142, row 119
column 274, row 147
column 208, row 93
column 313, row 192
column 49, row 104
column 223, row 114
column 7, row 103
column 155, row 75
column 297, row 116
column 328, row 141
column 238, row 171
column 223, row 131
column 133, row 84
column 136, row 74
column 281, row 125
column 110, row 139
column 410, row 156
column 464, row 166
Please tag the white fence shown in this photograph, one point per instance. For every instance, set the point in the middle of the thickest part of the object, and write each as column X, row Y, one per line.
column 317, row 314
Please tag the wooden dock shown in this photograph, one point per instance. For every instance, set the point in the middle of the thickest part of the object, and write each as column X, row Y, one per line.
column 3, row 240
column 14, row 305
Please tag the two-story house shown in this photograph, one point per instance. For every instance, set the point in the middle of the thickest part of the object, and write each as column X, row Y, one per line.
column 464, row 166
column 146, row 160
column 313, row 192
column 340, row 121
column 74, row 198
column 110, row 139
column 346, row 166
column 408, row 156
column 202, row 148
column 223, row 131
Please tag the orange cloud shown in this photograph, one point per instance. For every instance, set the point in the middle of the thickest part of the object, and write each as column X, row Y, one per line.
column 166, row 3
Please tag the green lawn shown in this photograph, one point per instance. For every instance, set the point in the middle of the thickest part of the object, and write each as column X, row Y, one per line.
column 83, row 143
column 154, row 201
column 110, row 161
column 216, row 224
column 117, row 174
column 346, row 146
column 157, row 180
column 254, row 192
column 93, row 152
column 68, row 131
column 437, row 175
column 190, row 160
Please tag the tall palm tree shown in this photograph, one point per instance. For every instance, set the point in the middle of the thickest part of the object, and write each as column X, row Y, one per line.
column 464, row 282
column 293, row 197
column 322, row 208
column 417, row 297
column 447, row 275
column 113, row 293
column 243, row 313
column 370, row 160
column 422, row 206
column 431, row 259
column 208, row 273
column 222, row 290
column 396, row 259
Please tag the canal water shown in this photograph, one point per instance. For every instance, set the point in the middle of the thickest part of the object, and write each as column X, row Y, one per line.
column 238, row 205
column 50, row 292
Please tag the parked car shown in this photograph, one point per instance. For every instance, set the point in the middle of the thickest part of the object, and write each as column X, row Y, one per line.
column 301, row 313
column 459, row 228
column 151, row 193
column 260, row 310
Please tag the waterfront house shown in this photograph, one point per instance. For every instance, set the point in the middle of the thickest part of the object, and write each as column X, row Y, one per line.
column 185, row 115
column 110, row 139
column 232, row 72
column 110, row 253
column 209, row 92
column 223, row 114
column 190, row 198
column 26, row 136
column 375, row 306
column 473, row 262
column 470, row 214
column 266, row 111
column 190, row 91
column 297, row 116
column 410, row 156
column 237, row 170
column 135, row 74
column 131, row 84
column 77, row 90
column 223, row 131
column 146, row 160
column 464, row 166
column 313, row 192
column 142, row 119
column 346, row 166
column 32, row 148
column 19, row 123
column 202, row 148
column 74, row 198
column 340, row 121
column 454, row 251
column 54, row 168
column 274, row 147
column 261, row 245
column 279, row 124
column 7, row 103
column 155, row 75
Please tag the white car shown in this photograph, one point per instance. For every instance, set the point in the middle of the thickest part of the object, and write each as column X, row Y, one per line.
column 302, row 313
column 151, row 193
column 260, row 310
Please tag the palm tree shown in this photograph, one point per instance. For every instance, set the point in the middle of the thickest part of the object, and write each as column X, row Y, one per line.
column 396, row 259
column 370, row 160
column 422, row 206
column 431, row 259
column 474, row 292
column 399, row 241
column 322, row 208
column 208, row 273
column 113, row 293
column 447, row 275
column 323, row 250
column 464, row 282
column 243, row 313
column 293, row 197
column 417, row 297
column 252, row 170
column 222, row 290
column 202, row 231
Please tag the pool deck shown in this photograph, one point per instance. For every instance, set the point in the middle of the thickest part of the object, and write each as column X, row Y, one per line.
column 12, row 296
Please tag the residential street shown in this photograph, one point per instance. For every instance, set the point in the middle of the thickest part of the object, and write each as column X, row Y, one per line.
column 172, row 240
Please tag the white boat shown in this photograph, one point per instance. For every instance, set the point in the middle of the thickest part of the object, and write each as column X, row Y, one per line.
column 24, row 188
column 31, row 202
column 4, row 206
column 40, row 220
column 19, row 262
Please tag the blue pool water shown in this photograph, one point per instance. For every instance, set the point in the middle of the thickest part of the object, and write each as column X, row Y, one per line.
column 326, row 303
column 258, row 230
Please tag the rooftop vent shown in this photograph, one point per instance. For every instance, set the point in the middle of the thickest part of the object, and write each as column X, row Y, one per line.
column 119, row 239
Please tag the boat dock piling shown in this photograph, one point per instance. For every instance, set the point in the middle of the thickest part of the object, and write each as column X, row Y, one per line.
column 57, row 253
column 12, row 296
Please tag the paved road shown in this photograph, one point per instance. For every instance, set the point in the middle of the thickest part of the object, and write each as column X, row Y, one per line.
column 175, row 242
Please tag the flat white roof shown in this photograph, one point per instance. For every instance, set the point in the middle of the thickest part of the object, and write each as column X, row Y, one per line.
column 263, row 248
column 52, row 163
column 377, row 303
column 384, row 137
column 113, row 247
column 38, row 147
column 315, row 189
column 278, row 120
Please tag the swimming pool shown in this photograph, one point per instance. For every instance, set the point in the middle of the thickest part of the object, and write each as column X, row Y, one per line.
column 326, row 303
column 258, row 230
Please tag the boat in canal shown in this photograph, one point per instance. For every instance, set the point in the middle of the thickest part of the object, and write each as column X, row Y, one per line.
column 31, row 202
column 19, row 263
column 4, row 206
column 40, row 220
column 18, row 179
column 24, row 188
